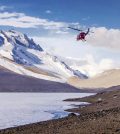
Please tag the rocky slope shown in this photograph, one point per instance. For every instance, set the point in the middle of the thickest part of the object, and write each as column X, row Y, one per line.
column 13, row 82
column 104, row 80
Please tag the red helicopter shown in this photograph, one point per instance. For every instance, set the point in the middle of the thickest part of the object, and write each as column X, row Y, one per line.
column 81, row 35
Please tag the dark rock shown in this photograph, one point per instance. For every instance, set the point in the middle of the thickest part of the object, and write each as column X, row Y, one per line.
column 72, row 115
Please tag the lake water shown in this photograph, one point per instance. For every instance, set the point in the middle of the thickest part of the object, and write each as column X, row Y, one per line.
column 24, row 108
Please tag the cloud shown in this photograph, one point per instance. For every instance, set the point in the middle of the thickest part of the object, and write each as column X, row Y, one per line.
column 22, row 20
column 7, row 15
column 3, row 7
column 86, row 18
column 92, row 68
column 62, row 32
column 63, row 45
column 104, row 37
column 103, row 64
column 48, row 11
column 93, row 59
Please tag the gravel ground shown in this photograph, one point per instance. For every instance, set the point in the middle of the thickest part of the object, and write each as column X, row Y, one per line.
column 102, row 116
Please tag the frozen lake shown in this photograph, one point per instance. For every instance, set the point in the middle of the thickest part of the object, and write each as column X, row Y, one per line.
column 24, row 108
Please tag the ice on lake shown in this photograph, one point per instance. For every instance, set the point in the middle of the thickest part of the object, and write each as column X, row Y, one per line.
column 24, row 108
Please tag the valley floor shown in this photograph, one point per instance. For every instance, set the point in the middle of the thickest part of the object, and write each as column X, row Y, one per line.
column 102, row 116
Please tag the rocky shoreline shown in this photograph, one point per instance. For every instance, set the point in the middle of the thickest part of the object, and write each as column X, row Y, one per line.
column 102, row 116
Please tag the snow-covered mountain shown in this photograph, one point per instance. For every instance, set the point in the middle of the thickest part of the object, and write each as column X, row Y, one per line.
column 89, row 66
column 22, row 55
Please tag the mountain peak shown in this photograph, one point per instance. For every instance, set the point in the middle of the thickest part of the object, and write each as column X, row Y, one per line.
column 20, row 39
column 22, row 55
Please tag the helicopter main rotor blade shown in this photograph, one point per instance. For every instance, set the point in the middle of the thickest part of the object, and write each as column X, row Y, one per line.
column 75, row 29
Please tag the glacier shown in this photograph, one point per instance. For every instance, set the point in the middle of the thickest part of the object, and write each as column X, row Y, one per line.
column 22, row 55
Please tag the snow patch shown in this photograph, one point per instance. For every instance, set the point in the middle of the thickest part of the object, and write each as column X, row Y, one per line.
column 17, row 51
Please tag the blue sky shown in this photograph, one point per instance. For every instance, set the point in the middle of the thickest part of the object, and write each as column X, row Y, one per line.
column 86, row 12
column 47, row 21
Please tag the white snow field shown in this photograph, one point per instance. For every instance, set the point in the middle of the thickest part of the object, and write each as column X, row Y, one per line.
column 22, row 55
column 24, row 108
